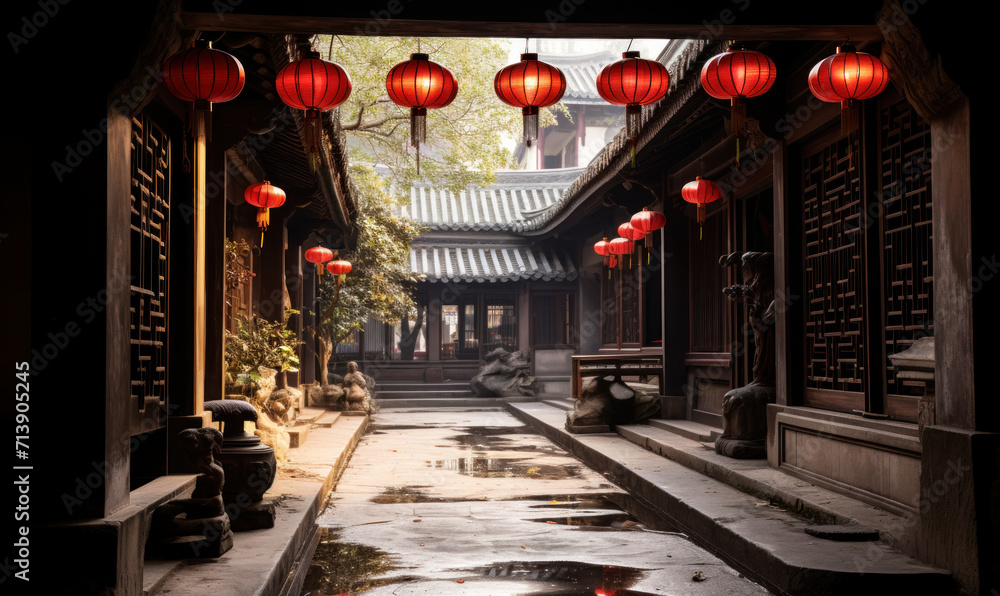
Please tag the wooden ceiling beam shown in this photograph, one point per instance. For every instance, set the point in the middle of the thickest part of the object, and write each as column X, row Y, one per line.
column 284, row 24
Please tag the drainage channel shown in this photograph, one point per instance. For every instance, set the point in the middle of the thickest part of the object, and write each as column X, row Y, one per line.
column 478, row 503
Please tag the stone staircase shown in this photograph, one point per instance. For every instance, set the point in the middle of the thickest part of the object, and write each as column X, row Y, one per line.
column 421, row 390
column 308, row 418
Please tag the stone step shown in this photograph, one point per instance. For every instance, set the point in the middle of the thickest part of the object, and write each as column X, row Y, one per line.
column 412, row 394
column 687, row 428
column 297, row 435
column 327, row 418
column 753, row 516
column 415, row 386
column 442, row 402
column 561, row 403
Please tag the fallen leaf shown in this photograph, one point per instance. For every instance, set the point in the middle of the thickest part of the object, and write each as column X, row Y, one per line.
column 550, row 522
column 421, row 545
column 416, row 521
column 459, row 581
column 533, row 470
column 522, row 546
column 698, row 576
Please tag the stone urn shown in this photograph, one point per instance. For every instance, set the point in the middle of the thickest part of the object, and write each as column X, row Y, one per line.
column 250, row 465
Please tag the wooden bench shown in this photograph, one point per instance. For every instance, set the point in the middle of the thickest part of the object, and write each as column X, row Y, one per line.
column 599, row 365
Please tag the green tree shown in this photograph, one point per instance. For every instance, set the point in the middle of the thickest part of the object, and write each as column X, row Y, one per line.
column 465, row 140
column 380, row 284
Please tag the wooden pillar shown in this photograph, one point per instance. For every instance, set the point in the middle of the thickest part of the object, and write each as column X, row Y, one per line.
column 675, row 279
column 198, row 351
column 523, row 319
column 783, row 327
column 272, row 272
column 434, row 325
column 293, row 281
column 215, row 281
column 307, row 355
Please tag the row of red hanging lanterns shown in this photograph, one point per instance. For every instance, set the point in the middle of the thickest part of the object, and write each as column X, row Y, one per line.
column 639, row 227
column 319, row 255
column 204, row 76
column 322, row 257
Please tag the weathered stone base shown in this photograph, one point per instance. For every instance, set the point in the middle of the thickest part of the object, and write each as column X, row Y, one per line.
column 255, row 516
column 741, row 449
column 216, row 539
column 585, row 428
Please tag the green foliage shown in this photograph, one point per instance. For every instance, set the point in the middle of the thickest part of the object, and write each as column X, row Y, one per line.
column 260, row 343
column 380, row 284
column 464, row 140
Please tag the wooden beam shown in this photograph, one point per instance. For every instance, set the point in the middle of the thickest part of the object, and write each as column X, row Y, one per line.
column 286, row 24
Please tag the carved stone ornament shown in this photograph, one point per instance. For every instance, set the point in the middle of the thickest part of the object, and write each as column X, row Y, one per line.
column 744, row 409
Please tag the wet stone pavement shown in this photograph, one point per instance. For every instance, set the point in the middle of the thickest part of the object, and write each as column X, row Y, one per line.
column 474, row 502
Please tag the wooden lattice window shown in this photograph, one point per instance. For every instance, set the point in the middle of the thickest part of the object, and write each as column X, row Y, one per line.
column 622, row 290
column 709, row 327
column 500, row 323
column 834, row 271
column 867, row 276
column 150, row 253
column 907, row 279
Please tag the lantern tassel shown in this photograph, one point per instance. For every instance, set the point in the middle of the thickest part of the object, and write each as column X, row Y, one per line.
column 633, row 118
column 418, row 126
column 530, row 124
column 701, row 219
column 263, row 219
column 738, row 112
column 848, row 116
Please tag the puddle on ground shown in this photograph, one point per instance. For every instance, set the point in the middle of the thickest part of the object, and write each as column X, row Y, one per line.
column 504, row 467
column 344, row 567
column 413, row 494
column 614, row 521
column 621, row 503
column 566, row 578
column 500, row 441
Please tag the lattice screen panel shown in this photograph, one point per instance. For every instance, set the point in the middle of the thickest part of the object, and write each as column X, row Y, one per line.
column 908, row 276
column 150, row 236
column 834, row 270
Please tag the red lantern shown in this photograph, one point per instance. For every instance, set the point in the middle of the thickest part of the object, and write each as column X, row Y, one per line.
column 621, row 246
column 630, row 233
column 420, row 84
column 647, row 222
column 313, row 85
column 339, row 267
column 848, row 76
column 264, row 196
column 203, row 75
column 602, row 248
column 633, row 82
column 627, row 230
column 822, row 93
column 319, row 255
column 701, row 192
column 530, row 85
column 736, row 75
